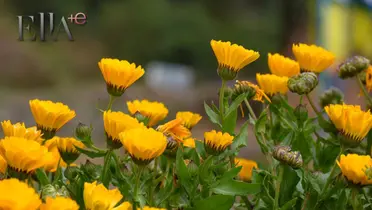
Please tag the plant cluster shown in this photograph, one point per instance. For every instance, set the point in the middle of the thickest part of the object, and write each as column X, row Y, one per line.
column 316, row 162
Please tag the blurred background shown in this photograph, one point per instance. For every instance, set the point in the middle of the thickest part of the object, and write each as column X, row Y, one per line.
column 170, row 39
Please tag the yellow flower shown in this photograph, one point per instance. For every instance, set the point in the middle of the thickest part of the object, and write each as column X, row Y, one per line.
column 20, row 130
column 24, row 155
column 189, row 142
column 312, row 58
column 283, row 66
column 115, row 123
column 350, row 120
column 17, row 195
column 143, row 144
column 232, row 58
column 59, row 203
column 97, row 197
column 3, row 165
column 369, row 78
column 189, row 119
column 67, row 148
column 175, row 129
column 245, row 173
column 354, row 167
column 119, row 74
column 216, row 142
column 152, row 208
column 259, row 95
column 50, row 116
column 153, row 111
column 272, row 84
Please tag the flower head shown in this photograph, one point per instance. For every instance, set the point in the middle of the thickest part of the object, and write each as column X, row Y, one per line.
column 354, row 167
column 189, row 142
column 331, row 96
column 143, row 144
column 283, row 66
column 272, row 84
column 153, row 111
column 216, row 142
column 97, row 196
column 67, row 148
column 52, row 166
column 256, row 92
column 247, row 168
column 119, row 74
column 24, row 155
column 50, row 116
column 115, row 123
column 350, row 120
column 20, row 130
column 15, row 194
column 175, row 129
column 189, row 119
column 312, row 58
column 59, row 203
column 232, row 58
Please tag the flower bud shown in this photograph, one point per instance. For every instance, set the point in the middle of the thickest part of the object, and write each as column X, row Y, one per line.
column 71, row 172
column 53, row 191
column 226, row 74
column 353, row 66
column 303, row 83
column 301, row 113
column 83, row 132
column 227, row 92
column 91, row 169
column 331, row 96
column 240, row 88
column 286, row 156
column 193, row 168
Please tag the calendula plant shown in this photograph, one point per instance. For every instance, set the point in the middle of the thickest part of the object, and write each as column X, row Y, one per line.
column 311, row 162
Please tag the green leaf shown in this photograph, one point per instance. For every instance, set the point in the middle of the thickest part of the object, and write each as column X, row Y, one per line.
column 182, row 172
column 342, row 200
column 236, row 103
column 199, row 146
column 215, row 202
column 90, row 153
column 326, row 156
column 303, row 144
column 288, row 184
column 42, row 177
column 205, row 172
column 229, row 122
column 213, row 116
column 232, row 187
column 241, row 139
column 230, row 174
column 289, row 205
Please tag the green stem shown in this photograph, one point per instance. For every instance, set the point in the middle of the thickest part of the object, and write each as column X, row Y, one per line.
column 277, row 187
column 221, row 103
column 251, row 112
column 330, row 178
column 136, row 186
column 154, row 183
column 111, row 101
column 106, row 166
column 365, row 92
column 313, row 105
column 117, row 162
column 247, row 202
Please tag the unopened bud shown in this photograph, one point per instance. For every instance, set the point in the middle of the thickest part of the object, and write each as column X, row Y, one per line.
column 227, row 92
column 71, row 172
column 285, row 155
column 91, row 169
column 83, row 132
column 301, row 113
column 53, row 191
column 193, row 168
column 303, row 83
column 243, row 87
column 331, row 96
column 353, row 66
